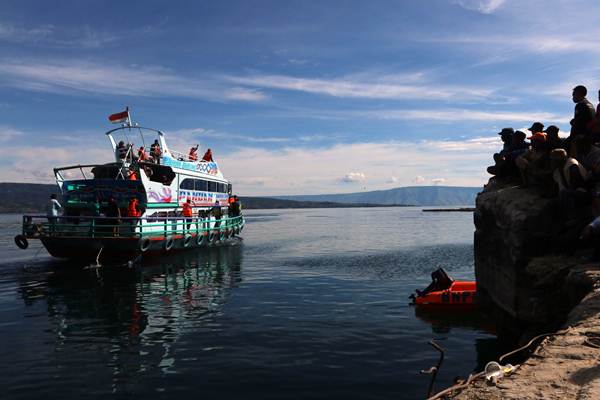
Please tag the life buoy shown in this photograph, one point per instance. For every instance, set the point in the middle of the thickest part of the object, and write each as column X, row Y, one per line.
column 187, row 240
column 199, row 239
column 144, row 244
column 21, row 242
column 169, row 242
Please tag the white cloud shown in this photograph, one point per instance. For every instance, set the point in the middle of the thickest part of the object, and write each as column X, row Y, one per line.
column 7, row 133
column 457, row 115
column 109, row 78
column 354, row 177
column 393, row 179
column 418, row 180
column 437, row 181
column 483, row 6
column 365, row 86
column 298, row 169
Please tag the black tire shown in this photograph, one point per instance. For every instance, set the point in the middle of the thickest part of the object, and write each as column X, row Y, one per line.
column 200, row 239
column 169, row 242
column 211, row 237
column 187, row 240
column 144, row 244
column 21, row 242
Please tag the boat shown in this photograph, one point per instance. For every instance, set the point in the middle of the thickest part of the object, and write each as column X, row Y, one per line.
column 160, row 180
column 446, row 292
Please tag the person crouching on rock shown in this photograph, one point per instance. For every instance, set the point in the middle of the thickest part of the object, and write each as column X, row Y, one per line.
column 534, row 165
column 570, row 177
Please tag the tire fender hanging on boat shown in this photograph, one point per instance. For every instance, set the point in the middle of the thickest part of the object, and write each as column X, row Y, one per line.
column 200, row 239
column 144, row 244
column 169, row 243
column 187, row 240
column 21, row 242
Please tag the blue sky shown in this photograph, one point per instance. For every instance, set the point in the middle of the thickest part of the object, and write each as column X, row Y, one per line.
column 292, row 96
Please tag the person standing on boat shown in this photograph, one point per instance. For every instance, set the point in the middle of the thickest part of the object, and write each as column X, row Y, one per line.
column 52, row 208
column 155, row 151
column 193, row 156
column 217, row 213
column 114, row 212
column 188, row 212
column 142, row 155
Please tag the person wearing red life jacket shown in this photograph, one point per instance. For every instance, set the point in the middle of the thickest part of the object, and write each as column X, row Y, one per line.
column 187, row 212
column 132, row 175
column 142, row 155
column 193, row 156
column 207, row 156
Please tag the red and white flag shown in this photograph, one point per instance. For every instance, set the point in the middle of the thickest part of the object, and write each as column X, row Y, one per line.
column 119, row 117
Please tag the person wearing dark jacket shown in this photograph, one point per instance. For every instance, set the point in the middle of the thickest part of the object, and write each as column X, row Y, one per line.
column 584, row 112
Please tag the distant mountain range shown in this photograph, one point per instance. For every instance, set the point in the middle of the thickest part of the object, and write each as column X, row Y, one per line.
column 409, row 195
column 31, row 197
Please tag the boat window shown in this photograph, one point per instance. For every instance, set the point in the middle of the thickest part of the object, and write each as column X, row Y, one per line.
column 187, row 184
column 229, row 188
column 221, row 188
column 212, row 186
column 201, row 184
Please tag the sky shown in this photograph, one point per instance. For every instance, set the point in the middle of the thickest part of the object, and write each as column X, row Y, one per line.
column 293, row 97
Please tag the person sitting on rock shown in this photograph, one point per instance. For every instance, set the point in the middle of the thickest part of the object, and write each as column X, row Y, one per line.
column 534, row 165
column 588, row 155
column 505, row 160
column 570, row 177
column 591, row 234
column 553, row 140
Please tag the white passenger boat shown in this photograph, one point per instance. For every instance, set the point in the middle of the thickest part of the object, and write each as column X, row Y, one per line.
column 91, row 228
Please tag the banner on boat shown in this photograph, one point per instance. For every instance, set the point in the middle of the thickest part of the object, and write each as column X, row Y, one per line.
column 210, row 168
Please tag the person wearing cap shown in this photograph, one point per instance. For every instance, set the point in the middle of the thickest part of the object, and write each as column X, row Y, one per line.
column 534, row 165
column 504, row 160
column 553, row 140
column 536, row 127
column 584, row 113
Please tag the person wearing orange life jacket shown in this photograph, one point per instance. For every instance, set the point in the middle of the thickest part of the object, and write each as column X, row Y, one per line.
column 193, row 156
column 133, row 209
column 132, row 175
column 207, row 156
column 187, row 212
column 155, row 151
column 142, row 155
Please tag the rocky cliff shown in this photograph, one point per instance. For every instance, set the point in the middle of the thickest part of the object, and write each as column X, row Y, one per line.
column 534, row 274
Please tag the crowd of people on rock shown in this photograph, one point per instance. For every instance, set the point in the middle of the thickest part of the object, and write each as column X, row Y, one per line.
column 566, row 168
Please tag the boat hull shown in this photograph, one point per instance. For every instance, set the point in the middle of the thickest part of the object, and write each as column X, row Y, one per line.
column 461, row 294
column 124, row 249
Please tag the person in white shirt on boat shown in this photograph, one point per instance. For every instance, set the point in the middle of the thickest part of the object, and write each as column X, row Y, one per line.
column 52, row 209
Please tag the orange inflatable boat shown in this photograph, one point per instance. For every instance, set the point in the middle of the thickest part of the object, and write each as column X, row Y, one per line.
column 445, row 291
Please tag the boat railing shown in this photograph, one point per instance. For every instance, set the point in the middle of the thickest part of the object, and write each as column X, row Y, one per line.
column 40, row 226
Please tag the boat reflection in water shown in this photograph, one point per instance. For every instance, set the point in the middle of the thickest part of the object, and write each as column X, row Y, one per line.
column 118, row 329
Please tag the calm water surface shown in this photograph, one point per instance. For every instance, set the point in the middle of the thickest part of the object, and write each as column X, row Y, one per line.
column 310, row 304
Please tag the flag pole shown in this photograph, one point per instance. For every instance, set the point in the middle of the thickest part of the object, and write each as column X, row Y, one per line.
column 128, row 116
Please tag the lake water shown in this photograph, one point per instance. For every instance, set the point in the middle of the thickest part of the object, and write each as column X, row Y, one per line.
column 311, row 304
